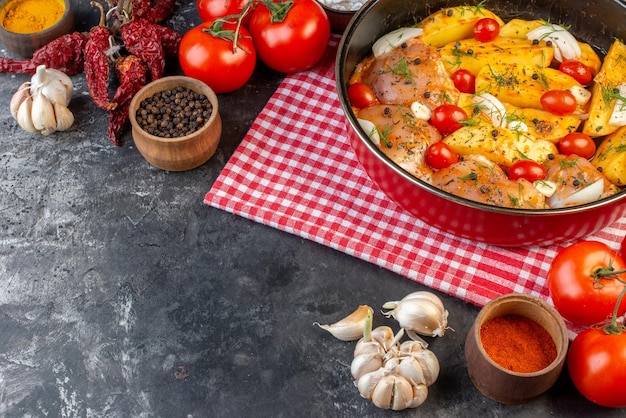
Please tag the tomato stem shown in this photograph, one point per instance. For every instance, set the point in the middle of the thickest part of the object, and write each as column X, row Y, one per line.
column 607, row 273
column 614, row 328
column 278, row 10
column 217, row 30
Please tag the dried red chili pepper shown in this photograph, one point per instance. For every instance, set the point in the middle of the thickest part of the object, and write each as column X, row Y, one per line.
column 64, row 53
column 140, row 7
column 144, row 9
column 170, row 39
column 132, row 76
column 160, row 10
column 142, row 38
column 97, row 64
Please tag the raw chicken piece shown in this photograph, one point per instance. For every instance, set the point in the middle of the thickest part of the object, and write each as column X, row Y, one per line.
column 411, row 72
column 478, row 179
column 403, row 137
column 577, row 182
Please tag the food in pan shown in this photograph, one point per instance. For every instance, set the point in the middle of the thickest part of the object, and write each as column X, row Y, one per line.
column 502, row 106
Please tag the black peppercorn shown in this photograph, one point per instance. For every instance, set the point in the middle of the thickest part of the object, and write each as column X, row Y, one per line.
column 174, row 113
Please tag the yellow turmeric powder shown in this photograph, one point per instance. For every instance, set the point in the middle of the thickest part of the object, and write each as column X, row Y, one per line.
column 29, row 16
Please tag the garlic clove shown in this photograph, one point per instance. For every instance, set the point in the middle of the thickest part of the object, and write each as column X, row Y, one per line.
column 351, row 327
column 62, row 80
column 52, row 83
column 384, row 336
column 42, row 115
column 22, row 93
column 420, row 393
column 23, row 116
column 416, row 355
column 367, row 382
column 392, row 392
column 368, row 347
column 365, row 363
column 56, row 93
column 64, row 117
column 421, row 312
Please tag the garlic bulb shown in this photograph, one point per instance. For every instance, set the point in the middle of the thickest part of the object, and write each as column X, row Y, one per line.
column 40, row 106
column 393, row 375
column 419, row 312
column 351, row 327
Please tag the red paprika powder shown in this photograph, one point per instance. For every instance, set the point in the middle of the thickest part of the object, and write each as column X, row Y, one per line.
column 517, row 343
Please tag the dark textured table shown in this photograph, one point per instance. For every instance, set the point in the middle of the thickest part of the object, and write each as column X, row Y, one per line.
column 123, row 295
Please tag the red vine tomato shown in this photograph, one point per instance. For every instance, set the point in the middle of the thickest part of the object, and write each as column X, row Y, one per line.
column 623, row 248
column 596, row 362
column 209, row 10
column 290, row 35
column 207, row 53
column 584, row 283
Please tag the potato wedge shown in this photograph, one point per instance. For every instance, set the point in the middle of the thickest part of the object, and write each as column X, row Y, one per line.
column 522, row 85
column 473, row 55
column 498, row 145
column 518, row 28
column 590, row 58
column 611, row 157
column 453, row 24
column 611, row 75
column 543, row 124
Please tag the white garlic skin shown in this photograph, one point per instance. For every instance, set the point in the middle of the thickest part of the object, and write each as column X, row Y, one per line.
column 391, row 374
column 40, row 105
column 421, row 312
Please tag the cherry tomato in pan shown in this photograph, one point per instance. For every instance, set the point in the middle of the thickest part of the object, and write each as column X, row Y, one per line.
column 361, row 95
column 577, row 143
column 464, row 81
column 527, row 169
column 559, row 102
column 446, row 118
column 577, row 70
column 579, row 285
column 486, row 29
column 439, row 155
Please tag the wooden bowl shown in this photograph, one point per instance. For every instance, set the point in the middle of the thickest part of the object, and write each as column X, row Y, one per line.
column 503, row 385
column 24, row 44
column 185, row 152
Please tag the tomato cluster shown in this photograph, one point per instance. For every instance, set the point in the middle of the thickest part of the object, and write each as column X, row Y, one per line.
column 587, row 283
column 286, row 35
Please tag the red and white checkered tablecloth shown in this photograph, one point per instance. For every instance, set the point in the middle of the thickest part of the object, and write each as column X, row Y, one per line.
column 296, row 171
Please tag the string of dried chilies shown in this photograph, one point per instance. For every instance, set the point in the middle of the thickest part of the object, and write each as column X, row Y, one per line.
column 128, row 38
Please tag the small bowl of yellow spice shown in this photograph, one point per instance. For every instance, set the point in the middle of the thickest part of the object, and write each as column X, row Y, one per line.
column 27, row 25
